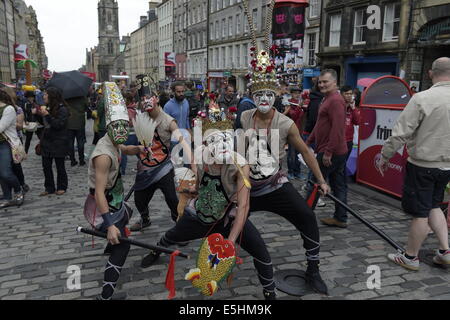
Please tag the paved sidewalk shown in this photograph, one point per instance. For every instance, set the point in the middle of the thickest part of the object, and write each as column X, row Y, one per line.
column 38, row 243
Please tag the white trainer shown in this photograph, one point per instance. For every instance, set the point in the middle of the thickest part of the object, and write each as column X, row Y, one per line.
column 400, row 259
column 442, row 258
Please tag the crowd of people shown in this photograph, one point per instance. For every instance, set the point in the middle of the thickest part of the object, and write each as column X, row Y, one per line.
column 316, row 132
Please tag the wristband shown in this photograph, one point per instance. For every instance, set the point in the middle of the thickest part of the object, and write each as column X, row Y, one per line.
column 107, row 220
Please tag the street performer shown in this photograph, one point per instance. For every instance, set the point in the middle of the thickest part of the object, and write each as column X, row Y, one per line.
column 105, row 208
column 155, row 168
column 223, row 200
column 267, row 132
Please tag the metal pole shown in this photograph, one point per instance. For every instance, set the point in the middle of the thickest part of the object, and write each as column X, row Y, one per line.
column 132, row 242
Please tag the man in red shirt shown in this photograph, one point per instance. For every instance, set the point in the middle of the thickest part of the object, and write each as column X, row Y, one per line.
column 331, row 147
column 352, row 117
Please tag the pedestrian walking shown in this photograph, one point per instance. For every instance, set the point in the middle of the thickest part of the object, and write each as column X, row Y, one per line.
column 55, row 141
column 424, row 126
column 8, row 140
column 294, row 110
column 76, row 126
column 352, row 117
column 331, row 148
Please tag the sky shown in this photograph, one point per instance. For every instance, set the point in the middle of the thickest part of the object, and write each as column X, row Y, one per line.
column 69, row 27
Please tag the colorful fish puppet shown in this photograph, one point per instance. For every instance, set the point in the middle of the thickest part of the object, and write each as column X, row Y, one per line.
column 216, row 260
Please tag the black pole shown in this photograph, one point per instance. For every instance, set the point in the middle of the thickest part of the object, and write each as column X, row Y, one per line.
column 361, row 219
column 132, row 242
column 130, row 193
column 367, row 223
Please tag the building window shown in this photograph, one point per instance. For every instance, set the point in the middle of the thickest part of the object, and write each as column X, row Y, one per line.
column 255, row 18
column 230, row 26
column 314, row 8
column 335, row 30
column 359, row 29
column 211, row 31
column 391, row 22
column 224, row 28
column 217, row 30
column 312, row 44
column 224, row 57
column 237, row 60
column 246, row 27
column 238, row 24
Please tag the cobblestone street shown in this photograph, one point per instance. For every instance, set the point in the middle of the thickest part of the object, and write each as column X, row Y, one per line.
column 38, row 242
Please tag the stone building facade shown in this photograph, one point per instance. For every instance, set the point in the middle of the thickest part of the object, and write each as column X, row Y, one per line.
column 197, row 41
column 109, row 38
column 181, row 15
column 165, row 27
column 429, row 39
column 229, row 41
column 355, row 51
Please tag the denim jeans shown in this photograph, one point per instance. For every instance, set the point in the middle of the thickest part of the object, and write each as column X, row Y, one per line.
column 294, row 166
column 8, row 179
column 132, row 141
column 335, row 175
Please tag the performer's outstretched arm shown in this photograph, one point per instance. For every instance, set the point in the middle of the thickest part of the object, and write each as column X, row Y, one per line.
column 300, row 146
column 243, row 206
column 176, row 134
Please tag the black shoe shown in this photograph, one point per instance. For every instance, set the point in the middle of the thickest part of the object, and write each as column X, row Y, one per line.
column 314, row 280
column 73, row 163
column 141, row 225
column 268, row 295
column 25, row 188
column 149, row 260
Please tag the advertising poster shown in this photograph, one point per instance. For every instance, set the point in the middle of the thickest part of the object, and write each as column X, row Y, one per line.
column 376, row 127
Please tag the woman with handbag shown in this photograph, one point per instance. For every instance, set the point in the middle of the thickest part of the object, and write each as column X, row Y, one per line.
column 17, row 167
column 8, row 141
column 54, row 141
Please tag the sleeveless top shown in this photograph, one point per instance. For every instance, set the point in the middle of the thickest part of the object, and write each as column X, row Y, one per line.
column 217, row 194
column 114, row 186
column 265, row 168
column 151, row 168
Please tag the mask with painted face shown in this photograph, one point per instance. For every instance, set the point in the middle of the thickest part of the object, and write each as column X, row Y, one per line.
column 150, row 103
column 264, row 100
column 220, row 146
column 118, row 131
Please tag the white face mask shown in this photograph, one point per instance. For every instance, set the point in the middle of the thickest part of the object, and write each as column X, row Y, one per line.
column 220, row 146
column 264, row 100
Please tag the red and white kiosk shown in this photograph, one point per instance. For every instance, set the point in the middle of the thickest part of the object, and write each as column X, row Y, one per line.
column 381, row 104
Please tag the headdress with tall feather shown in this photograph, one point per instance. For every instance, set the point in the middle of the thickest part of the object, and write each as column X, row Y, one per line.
column 262, row 74
column 145, row 128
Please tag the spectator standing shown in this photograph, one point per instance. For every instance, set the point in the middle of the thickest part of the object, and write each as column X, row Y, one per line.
column 55, row 141
column 77, row 128
column 282, row 99
column 352, row 117
column 294, row 111
column 424, row 126
column 178, row 108
column 228, row 100
column 32, row 119
column 195, row 105
column 246, row 103
column 331, row 148
column 17, row 167
column 8, row 180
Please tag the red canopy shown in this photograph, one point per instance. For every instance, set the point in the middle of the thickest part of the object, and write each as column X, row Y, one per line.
column 292, row 1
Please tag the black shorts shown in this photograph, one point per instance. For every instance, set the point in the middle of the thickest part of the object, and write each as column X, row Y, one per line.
column 423, row 190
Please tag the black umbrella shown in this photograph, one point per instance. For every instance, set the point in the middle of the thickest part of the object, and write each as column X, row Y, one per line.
column 73, row 84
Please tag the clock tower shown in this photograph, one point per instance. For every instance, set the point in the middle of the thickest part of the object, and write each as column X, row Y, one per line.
column 108, row 37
